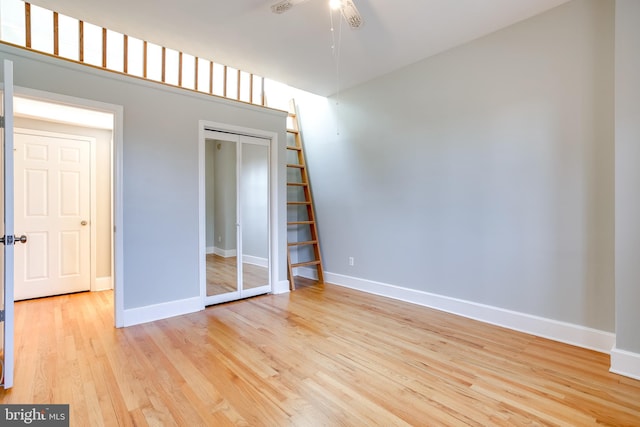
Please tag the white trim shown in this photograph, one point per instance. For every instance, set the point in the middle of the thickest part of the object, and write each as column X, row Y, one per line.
column 150, row 313
column 224, row 253
column 103, row 284
column 547, row 328
column 210, row 250
column 254, row 260
column 625, row 363
column 117, row 260
column 280, row 287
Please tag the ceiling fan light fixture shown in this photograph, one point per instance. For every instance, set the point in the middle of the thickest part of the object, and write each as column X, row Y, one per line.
column 281, row 6
column 351, row 14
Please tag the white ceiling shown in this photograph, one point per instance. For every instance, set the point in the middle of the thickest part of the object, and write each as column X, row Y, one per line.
column 295, row 47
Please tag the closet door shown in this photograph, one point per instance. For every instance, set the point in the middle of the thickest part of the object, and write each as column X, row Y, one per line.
column 254, row 215
column 237, row 218
column 221, row 171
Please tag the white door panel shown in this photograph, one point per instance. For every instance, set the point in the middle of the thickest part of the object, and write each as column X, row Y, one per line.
column 52, row 204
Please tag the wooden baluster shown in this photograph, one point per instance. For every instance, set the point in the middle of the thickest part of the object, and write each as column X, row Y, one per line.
column 196, row 74
column 238, row 85
column 251, row 88
column 224, row 88
column 81, row 41
column 104, row 48
column 144, row 59
column 27, row 24
column 164, row 64
column 125, row 50
column 56, row 35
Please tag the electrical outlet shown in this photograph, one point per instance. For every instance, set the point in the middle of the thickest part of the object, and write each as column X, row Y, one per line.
column 351, row 261
column 219, row 239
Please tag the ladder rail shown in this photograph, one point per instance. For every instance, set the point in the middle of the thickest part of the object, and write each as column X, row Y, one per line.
column 307, row 202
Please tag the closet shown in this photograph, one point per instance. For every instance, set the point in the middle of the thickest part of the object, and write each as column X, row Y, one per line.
column 237, row 219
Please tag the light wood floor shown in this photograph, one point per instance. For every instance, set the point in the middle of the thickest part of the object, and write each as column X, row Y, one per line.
column 222, row 275
column 320, row 356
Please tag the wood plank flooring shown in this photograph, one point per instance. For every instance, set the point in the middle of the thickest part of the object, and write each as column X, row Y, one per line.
column 320, row 356
column 222, row 275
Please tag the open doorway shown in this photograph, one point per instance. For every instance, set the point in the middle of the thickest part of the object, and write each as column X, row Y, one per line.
column 64, row 160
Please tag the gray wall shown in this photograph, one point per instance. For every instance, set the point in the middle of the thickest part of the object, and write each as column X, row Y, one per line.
column 627, row 125
column 485, row 173
column 160, row 174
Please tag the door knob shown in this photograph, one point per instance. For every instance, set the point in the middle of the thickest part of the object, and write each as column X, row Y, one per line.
column 83, row 222
column 9, row 240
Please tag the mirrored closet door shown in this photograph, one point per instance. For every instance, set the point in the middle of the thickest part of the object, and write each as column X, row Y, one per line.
column 236, row 217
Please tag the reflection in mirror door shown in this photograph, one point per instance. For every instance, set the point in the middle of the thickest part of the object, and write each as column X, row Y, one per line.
column 221, row 223
column 254, row 208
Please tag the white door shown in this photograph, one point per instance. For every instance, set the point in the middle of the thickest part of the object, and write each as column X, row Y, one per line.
column 53, row 205
column 6, row 222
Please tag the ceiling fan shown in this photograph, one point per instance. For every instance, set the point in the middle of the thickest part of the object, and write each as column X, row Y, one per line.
column 346, row 7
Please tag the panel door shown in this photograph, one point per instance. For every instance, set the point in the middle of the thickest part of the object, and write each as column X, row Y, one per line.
column 52, row 181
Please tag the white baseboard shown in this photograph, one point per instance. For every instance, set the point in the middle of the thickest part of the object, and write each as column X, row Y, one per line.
column 280, row 287
column 210, row 250
column 224, row 253
column 547, row 328
column 149, row 313
column 625, row 363
column 260, row 262
column 103, row 284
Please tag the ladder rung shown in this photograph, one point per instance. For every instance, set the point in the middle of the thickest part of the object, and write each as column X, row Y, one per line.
column 308, row 242
column 298, row 184
column 291, row 165
column 290, row 130
column 303, row 264
column 299, row 203
column 291, row 147
column 300, row 222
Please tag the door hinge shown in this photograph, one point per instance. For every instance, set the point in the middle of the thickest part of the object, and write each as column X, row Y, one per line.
column 1, row 315
column 7, row 240
column 1, row 122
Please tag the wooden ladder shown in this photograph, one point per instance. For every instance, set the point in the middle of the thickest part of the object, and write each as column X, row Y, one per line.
column 297, row 173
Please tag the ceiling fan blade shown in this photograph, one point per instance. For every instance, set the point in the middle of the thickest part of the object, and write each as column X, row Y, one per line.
column 351, row 14
column 284, row 5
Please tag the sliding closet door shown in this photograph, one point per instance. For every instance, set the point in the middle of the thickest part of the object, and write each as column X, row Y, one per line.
column 237, row 223
column 221, row 218
column 254, row 214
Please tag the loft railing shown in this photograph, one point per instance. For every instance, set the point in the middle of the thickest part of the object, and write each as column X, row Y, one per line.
column 49, row 32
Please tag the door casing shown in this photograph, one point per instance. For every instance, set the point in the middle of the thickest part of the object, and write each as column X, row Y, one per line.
column 117, row 244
